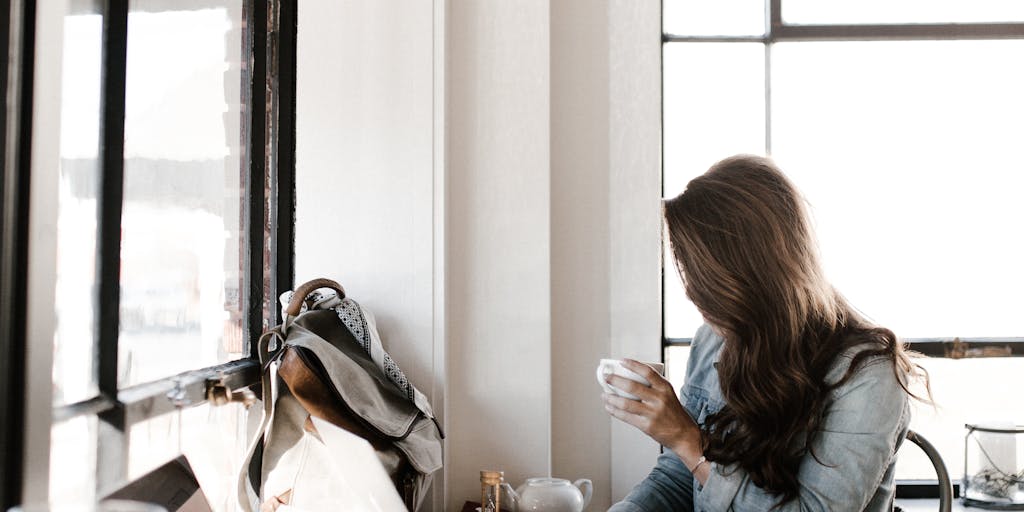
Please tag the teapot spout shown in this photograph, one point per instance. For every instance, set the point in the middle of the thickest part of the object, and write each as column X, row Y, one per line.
column 587, row 488
column 509, row 497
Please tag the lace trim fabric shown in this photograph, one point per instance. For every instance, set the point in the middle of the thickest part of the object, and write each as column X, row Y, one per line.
column 351, row 314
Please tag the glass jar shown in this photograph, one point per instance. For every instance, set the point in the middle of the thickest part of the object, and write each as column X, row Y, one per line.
column 490, row 490
column 496, row 495
column 994, row 466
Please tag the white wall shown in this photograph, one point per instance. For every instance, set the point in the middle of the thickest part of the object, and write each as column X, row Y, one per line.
column 634, row 95
column 486, row 177
column 364, row 167
column 580, row 250
column 364, row 164
column 605, row 159
column 498, row 267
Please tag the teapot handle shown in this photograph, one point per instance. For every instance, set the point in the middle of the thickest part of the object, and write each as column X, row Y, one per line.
column 587, row 488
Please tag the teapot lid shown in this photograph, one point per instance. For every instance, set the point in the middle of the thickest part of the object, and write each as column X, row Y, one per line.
column 547, row 481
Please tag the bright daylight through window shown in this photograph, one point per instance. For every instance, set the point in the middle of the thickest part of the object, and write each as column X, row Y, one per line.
column 187, row 263
column 906, row 149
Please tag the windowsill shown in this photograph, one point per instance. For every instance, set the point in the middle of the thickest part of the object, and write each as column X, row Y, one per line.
column 925, row 505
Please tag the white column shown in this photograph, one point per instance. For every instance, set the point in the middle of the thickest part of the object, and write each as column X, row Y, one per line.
column 582, row 202
column 439, row 228
column 635, row 222
column 498, row 243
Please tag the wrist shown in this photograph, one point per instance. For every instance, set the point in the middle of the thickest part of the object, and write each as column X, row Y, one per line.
column 701, row 470
column 692, row 459
column 689, row 451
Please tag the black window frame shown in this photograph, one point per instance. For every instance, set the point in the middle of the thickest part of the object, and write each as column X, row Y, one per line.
column 270, row 29
column 776, row 30
column 16, row 79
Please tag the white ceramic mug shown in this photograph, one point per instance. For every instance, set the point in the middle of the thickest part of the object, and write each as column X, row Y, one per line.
column 614, row 367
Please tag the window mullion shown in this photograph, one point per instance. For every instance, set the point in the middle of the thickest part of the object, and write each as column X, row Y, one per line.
column 256, row 182
column 112, row 444
column 282, row 207
column 897, row 32
column 143, row 402
column 774, row 17
column 15, row 156
column 115, row 34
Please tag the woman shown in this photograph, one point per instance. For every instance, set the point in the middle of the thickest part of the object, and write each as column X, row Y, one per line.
column 792, row 400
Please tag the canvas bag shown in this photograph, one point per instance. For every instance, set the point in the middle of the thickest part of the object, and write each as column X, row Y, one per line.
column 326, row 361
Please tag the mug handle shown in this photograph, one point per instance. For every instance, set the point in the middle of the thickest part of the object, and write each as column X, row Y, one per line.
column 600, row 377
column 587, row 488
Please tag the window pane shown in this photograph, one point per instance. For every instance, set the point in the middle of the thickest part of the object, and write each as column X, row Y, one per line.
column 909, row 155
column 213, row 438
column 901, row 11
column 681, row 317
column 74, row 375
column 965, row 391
column 714, row 107
column 714, row 17
column 73, row 461
column 676, row 357
column 182, row 228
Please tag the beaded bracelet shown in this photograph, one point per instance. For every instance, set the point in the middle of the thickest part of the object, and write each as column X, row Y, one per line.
column 700, row 461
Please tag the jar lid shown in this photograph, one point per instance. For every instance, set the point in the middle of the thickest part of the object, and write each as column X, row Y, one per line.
column 490, row 477
column 998, row 428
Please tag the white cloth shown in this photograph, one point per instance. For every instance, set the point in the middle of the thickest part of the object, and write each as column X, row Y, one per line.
column 335, row 470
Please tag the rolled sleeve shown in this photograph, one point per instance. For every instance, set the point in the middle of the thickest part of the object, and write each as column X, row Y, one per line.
column 626, row 506
column 669, row 486
column 719, row 491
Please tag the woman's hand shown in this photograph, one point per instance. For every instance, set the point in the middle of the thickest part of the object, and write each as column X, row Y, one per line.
column 658, row 413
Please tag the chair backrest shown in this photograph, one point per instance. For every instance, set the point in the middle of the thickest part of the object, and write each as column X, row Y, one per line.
column 945, row 486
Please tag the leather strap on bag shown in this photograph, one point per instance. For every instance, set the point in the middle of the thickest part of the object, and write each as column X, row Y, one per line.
column 294, row 306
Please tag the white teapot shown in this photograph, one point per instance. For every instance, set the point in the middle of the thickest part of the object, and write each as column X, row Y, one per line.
column 553, row 495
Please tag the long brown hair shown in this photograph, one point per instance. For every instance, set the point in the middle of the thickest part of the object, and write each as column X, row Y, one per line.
column 745, row 249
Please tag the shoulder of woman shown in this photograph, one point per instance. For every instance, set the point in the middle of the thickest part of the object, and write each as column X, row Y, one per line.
column 706, row 344
column 700, row 364
column 875, row 371
column 706, row 338
column 870, row 401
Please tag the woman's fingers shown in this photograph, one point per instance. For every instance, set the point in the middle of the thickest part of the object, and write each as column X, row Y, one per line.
column 659, row 390
column 630, row 411
column 658, row 413
column 625, row 404
column 630, row 386
column 639, row 368
column 631, row 419
column 645, row 371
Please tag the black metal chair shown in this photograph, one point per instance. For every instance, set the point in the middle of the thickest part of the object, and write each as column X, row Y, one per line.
column 945, row 485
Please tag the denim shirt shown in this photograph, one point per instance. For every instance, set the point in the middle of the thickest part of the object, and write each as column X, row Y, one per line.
column 865, row 422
